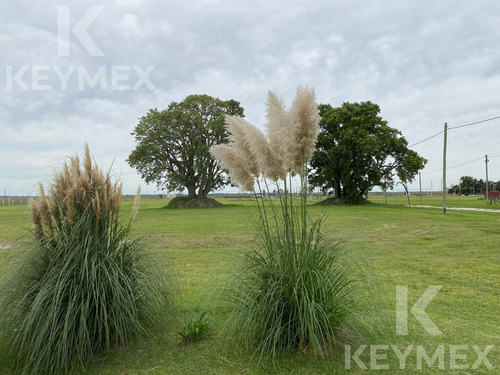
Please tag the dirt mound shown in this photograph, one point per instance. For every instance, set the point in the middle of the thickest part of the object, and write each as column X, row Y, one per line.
column 184, row 202
column 335, row 202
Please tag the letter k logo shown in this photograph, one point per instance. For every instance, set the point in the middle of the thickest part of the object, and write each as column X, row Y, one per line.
column 79, row 31
column 418, row 310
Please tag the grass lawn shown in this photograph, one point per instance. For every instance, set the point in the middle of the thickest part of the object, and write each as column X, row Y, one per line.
column 416, row 248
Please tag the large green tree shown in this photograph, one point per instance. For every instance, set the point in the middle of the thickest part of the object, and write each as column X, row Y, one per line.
column 357, row 150
column 173, row 145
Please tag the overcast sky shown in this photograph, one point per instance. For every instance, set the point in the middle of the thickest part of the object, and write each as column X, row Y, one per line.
column 76, row 72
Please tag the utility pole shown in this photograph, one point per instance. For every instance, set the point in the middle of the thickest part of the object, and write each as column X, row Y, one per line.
column 420, row 184
column 444, row 166
column 487, row 183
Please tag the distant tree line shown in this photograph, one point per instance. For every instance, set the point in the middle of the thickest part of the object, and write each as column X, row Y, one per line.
column 469, row 185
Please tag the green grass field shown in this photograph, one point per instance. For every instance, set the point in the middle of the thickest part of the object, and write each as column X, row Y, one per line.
column 397, row 246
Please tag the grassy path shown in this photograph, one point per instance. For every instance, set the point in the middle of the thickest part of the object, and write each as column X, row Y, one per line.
column 459, row 208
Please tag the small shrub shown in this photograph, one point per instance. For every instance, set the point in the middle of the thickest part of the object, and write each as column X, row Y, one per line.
column 196, row 329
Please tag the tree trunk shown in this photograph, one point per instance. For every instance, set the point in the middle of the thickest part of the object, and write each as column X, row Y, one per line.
column 338, row 189
column 192, row 191
column 207, row 185
column 203, row 193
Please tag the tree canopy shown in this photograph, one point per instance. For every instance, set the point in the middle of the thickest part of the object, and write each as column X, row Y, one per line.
column 357, row 150
column 172, row 146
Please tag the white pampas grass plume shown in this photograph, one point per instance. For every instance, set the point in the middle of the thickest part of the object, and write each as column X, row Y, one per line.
column 232, row 160
column 44, row 208
column 278, row 127
column 289, row 146
column 237, row 128
column 88, row 161
column 137, row 200
column 304, row 117
column 80, row 187
column 269, row 162
column 35, row 217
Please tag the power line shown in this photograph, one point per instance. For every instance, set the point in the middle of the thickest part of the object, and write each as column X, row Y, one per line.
column 479, row 118
column 469, row 162
column 456, row 166
column 474, row 123
column 426, row 139
column 456, row 127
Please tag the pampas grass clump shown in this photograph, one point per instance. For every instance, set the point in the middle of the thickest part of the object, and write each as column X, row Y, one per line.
column 84, row 288
column 295, row 290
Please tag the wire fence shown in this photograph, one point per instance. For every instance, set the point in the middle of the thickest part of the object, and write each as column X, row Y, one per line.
column 11, row 201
